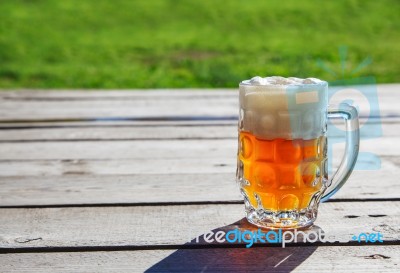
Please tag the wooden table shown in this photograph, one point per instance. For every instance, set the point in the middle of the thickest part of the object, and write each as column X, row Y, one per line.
column 123, row 181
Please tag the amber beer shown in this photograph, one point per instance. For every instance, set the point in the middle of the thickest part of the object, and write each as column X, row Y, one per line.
column 280, row 174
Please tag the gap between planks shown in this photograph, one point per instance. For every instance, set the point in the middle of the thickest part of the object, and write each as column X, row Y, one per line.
column 82, row 249
column 128, row 133
column 177, row 203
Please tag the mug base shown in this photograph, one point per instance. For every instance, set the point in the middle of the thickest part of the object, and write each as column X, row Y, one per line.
column 290, row 219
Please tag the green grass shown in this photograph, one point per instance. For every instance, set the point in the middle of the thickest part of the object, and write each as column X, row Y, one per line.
column 199, row 43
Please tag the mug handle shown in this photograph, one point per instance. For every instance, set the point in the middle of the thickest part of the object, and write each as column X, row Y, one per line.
column 350, row 115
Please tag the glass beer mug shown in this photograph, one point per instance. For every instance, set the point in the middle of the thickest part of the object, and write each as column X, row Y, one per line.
column 282, row 166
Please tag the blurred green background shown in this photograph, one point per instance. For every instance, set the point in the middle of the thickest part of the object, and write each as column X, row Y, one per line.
column 208, row 43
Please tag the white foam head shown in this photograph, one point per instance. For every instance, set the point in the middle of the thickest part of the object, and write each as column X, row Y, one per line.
column 288, row 108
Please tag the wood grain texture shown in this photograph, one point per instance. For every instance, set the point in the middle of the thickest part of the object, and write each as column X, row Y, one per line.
column 174, row 225
column 108, row 189
column 93, row 94
column 115, row 123
column 135, row 181
column 67, row 167
column 188, row 148
column 163, row 147
column 151, row 157
column 206, row 131
column 121, row 133
column 66, row 105
column 137, row 107
column 291, row 259
column 143, row 149
column 119, row 94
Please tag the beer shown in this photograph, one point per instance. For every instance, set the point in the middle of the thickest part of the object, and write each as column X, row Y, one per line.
column 280, row 174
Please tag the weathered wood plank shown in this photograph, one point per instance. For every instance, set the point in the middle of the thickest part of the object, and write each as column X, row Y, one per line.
column 42, row 105
column 139, row 188
column 134, row 181
column 64, row 109
column 147, row 132
column 144, row 149
column 134, row 123
column 121, row 133
column 103, row 166
column 56, row 167
column 115, row 123
column 120, row 94
column 138, row 93
column 174, row 225
column 290, row 259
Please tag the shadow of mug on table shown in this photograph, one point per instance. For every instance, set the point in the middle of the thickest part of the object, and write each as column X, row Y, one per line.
column 225, row 257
